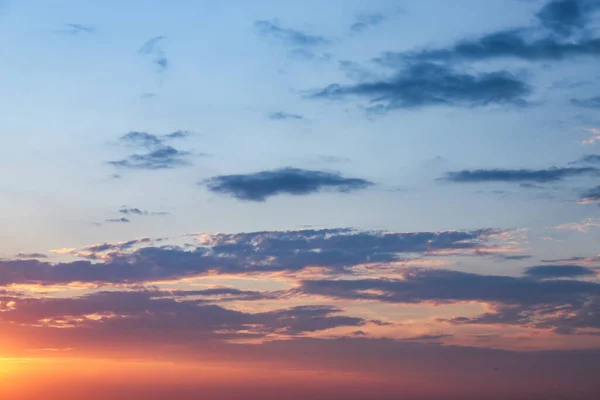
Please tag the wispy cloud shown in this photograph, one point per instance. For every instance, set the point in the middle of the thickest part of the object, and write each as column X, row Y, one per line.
column 159, row 155
column 366, row 21
column 75, row 29
column 288, row 36
column 280, row 115
column 590, row 102
column 163, row 158
column 590, row 196
column 582, row 226
column 153, row 49
column 595, row 136
column 137, row 211
column 118, row 220
column 517, row 175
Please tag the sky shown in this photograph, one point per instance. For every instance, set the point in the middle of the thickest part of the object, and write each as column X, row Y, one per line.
column 287, row 200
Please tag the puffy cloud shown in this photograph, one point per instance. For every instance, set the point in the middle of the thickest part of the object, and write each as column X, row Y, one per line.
column 566, row 306
column 294, row 181
column 335, row 250
column 427, row 84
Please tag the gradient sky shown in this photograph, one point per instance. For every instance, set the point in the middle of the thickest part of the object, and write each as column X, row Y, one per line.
column 287, row 200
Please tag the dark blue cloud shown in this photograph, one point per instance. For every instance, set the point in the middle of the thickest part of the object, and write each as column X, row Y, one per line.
column 560, row 19
column 159, row 155
column 116, row 246
column 558, row 271
column 592, row 195
column 428, row 84
column 177, row 135
column 261, row 185
column 516, row 175
column 366, row 21
column 271, row 29
column 334, row 250
column 144, row 139
column 280, row 115
column 149, row 140
column 503, row 44
column 591, row 102
column 517, row 257
column 566, row 16
column 163, row 158
column 31, row 255
column 152, row 310
column 591, row 159
column 566, row 306
column 119, row 220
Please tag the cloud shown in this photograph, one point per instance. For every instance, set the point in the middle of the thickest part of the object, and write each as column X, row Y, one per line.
column 31, row 255
column 590, row 196
column 150, row 141
column 137, row 211
column 517, row 257
column 333, row 250
column 159, row 155
column 280, row 115
column 591, row 159
column 591, row 102
column 366, row 21
column 293, row 37
column 429, row 338
column 75, row 29
column 114, row 312
column 503, row 44
column 566, row 16
column 333, row 159
column 552, row 40
column 559, row 271
column 116, row 246
column 143, row 139
column 595, row 132
column 305, row 54
column 163, row 158
column 576, row 260
column 427, row 84
column 153, row 48
column 118, row 220
column 565, row 306
column 294, row 181
column 582, row 226
column 517, row 175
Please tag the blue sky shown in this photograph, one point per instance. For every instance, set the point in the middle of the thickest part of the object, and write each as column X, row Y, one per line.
column 74, row 93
